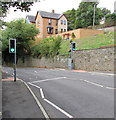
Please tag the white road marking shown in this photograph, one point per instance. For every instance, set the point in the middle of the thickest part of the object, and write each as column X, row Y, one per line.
column 58, row 108
column 62, row 69
column 0, row 113
column 94, row 73
column 41, row 91
column 93, row 83
column 47, row 80
column 42, row 94
column 35, row 71
column 43, row 97
column 37, row 101
column 33, row 85
column 111, row 88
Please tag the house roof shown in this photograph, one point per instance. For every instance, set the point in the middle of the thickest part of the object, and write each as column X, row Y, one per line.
column 31, row 18
column 49, row 15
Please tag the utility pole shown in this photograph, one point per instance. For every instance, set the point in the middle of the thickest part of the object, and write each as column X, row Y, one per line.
column 94, row 15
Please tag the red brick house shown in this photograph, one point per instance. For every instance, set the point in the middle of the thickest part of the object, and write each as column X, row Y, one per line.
column 48, row 23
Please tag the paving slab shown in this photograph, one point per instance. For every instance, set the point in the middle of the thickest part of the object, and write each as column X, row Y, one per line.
column 17, row 101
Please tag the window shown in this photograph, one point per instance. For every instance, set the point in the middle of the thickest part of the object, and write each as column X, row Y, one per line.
column 61, row 21
column 56, row 31
column 49, row 21
column 61, row 30
column 38, row 30
column 38, row 23
column 50, row 30
column 56, row 22
column 64, row 22
column 64, row 30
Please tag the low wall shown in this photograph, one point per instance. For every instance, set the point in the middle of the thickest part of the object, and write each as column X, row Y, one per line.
column 101, row 59
column 109, row 29
column 81, row 33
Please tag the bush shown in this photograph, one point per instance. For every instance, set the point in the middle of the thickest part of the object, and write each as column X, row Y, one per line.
column 47, row 47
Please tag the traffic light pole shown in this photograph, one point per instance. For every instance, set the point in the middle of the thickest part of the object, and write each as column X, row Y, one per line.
column 15, row 63
column 71, row 52
column 15, row 66
column 12, row 49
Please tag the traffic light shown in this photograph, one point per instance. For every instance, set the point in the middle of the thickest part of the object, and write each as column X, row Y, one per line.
column 73, row 46
column 12, row 45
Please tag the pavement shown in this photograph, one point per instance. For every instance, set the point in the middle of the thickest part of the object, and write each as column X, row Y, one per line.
column 17, row 101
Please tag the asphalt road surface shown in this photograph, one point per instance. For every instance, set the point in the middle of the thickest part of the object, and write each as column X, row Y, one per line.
column 71, row 94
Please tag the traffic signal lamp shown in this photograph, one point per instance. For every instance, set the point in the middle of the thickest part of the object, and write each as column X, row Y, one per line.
column 12, row 45
column 73, row 46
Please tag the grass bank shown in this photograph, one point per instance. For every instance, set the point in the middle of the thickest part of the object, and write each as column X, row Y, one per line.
column 89, row 42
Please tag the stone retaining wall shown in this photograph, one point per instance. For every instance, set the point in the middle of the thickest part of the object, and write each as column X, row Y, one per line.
column 101, row 59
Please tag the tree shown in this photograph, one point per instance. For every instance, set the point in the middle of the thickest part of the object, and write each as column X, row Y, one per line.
column 110, row 17
column 83, row 16
column 70, row 14
column 23, row 5
column 23, row 33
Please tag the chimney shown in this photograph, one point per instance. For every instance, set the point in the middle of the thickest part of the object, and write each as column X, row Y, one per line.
column 53, row 11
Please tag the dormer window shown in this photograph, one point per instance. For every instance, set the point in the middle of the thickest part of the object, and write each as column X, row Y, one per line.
column 49, row 21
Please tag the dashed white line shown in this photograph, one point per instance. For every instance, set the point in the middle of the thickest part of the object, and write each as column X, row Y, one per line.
column 58, row 108
column 93, row 83
column 47, row 80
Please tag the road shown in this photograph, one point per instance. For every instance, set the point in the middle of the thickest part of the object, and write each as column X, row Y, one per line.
column 71, row 94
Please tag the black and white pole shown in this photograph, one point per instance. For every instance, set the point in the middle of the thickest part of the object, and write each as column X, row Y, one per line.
column 12, row 49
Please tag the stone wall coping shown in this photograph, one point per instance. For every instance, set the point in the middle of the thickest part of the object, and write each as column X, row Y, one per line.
column 102, row 47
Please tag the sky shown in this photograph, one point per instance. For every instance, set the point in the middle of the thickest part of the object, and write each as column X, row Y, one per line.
column 59, row 6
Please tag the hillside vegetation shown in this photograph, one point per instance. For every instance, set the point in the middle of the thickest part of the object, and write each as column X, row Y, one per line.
column 50, row 47
column 89, row 42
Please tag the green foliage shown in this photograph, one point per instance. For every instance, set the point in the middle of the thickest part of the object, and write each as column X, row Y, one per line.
column 83, row 16
column 65, row 47
column 47, row 47
column 88, row 43
column 73, row 35
column 22, row 32
column 110, row 18
column 71, row 18
column 23, row 6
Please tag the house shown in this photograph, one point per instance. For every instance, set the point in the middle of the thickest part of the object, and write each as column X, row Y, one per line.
column 51, row 24
column 48, row 23
column 30, row 19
